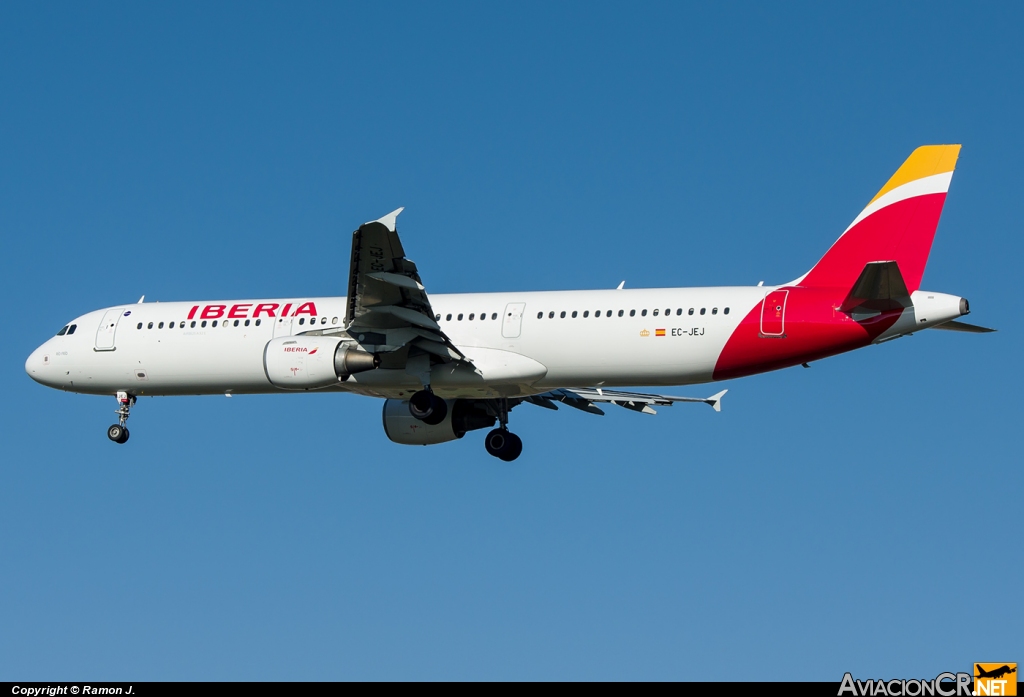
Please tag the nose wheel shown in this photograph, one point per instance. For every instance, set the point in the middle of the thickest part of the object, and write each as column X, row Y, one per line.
column 119, row 432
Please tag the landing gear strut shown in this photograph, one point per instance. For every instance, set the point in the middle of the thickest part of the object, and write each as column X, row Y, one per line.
column 502, row 443
column 428, row 407
column 119, row 432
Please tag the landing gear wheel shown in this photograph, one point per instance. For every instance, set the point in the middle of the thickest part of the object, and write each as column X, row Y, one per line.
column 428, row 407
column 503, row 444
column 117, row 433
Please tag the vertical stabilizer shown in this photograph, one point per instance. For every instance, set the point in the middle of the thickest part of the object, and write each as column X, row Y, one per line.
column 897, row 225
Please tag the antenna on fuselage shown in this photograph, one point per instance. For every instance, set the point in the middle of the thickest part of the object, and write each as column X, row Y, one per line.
column 140, row 300
column 620, row 286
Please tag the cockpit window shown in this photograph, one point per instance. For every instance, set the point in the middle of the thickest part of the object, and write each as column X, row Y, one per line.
column 63, row 331
column 71, row 329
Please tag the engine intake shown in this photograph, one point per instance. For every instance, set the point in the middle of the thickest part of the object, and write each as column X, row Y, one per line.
column 463, row 415
column 310, row 362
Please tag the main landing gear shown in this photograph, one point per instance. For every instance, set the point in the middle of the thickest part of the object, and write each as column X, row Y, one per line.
column 119, row 432
column 428, row 407
column 502, row 443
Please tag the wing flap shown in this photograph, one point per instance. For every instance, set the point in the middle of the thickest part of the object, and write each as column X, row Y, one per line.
column 585, row 398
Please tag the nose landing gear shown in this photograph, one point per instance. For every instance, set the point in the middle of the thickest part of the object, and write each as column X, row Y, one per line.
column 119, row 432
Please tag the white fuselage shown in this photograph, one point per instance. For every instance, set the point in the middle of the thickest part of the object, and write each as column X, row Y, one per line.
column 606, row 338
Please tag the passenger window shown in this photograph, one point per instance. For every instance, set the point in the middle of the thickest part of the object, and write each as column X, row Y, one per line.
column 655, row 313
column 574, row 314
column 679, row 310
column 690, row 312
column 323, row 320
column 193, row 325
column 668, row 311
column 551, row 315
column 460, row 316
column 149, row 326
column 562, row 314
column 586, row 313
column 302, row 320
column 726, row 311
column 714, row 310
column 182, row 325
column 597, row 313
column 643, row 313
column 170, row 325
column 204, row 324
column 236, row 323
column 64, row 330
column 448, row 317
column 257, row 322
column 494, row 315
column 247, row 323
column 540, row 315
column 471, row 316
column 138, row 327
column 334, row 320
column 703, row 310
column 608, row 313
column 214, row 323
column 620, row 312
column 160, row 326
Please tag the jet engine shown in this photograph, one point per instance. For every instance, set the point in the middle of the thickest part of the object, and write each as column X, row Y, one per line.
column 463, row 415
column 309, row 362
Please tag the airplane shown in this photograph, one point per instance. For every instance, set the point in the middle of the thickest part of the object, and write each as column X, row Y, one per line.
column 449, row 364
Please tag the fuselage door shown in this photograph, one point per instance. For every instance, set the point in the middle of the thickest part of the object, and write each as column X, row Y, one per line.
column 282, row 326
column 773, row 314
column 107, row 328
column 512, row 325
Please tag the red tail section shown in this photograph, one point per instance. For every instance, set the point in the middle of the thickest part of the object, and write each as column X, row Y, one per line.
column 874, row 266
column 897, row 225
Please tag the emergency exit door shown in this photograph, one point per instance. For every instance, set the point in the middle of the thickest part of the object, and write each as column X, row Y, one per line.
column 773, row 314
column 512, row 323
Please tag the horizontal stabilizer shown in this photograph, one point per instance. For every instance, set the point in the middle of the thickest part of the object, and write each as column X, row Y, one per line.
column 955, row 326
column 879, row 287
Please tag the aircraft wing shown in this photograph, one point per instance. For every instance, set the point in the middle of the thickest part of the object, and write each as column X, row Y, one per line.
column 585, row 399
column 388, row 308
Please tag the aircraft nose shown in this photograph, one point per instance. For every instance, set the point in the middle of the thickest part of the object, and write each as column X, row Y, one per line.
column 37, row 364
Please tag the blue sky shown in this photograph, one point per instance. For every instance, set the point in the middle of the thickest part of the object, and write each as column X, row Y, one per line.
column 855, row 516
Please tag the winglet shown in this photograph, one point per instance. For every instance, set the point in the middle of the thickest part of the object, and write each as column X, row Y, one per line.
column 715, row 400
column 389, row 220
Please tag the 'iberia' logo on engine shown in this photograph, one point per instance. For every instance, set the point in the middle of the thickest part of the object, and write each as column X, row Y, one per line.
column 301, row 349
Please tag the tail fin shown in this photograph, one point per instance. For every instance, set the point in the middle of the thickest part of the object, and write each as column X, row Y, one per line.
column 898, row 224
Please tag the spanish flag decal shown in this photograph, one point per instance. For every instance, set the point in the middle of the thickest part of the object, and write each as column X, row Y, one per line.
column 659, row 332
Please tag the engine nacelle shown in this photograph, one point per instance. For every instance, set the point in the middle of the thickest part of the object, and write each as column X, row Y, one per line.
column 309, row 362
column 464, row 415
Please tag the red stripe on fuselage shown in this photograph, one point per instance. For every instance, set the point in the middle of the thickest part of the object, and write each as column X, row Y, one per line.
column 814, row 329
